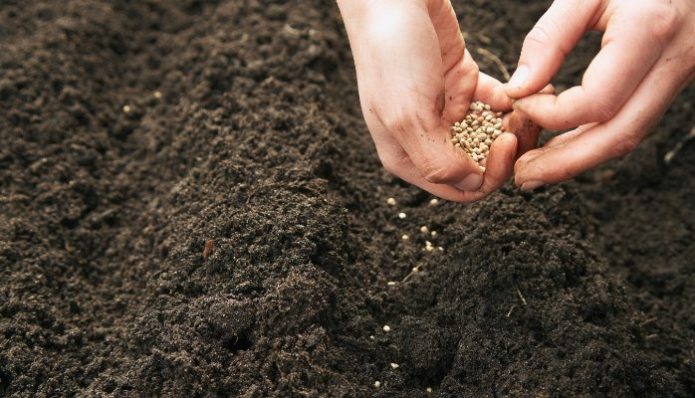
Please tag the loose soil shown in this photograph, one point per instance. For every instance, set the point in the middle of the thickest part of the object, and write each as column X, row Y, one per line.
column 232, row 238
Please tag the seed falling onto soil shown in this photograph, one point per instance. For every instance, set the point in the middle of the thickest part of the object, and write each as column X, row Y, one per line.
column 402, row 216
column 429, row 390
column 394, row 365
column 391, row 201
column 424, row 229
column 157, row 94
column 434, row 202
column 428, row 246
column 377, row 384
column 127, row 108
column 386, row 328
column 405, row 237
column 477, row 131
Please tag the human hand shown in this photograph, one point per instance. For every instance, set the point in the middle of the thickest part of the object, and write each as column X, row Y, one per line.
column 416, row 79
column 647, row 57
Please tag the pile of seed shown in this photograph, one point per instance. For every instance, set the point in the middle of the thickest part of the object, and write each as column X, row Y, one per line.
column 476, row 132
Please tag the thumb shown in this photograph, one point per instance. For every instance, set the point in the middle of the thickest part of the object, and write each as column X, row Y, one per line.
column 547, row 45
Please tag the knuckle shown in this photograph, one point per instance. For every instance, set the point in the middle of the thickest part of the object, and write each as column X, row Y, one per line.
column 604, row 110
column 626, row 145
column 435, row 173
column 538, row 35
column 664, row 19
column 397, row 123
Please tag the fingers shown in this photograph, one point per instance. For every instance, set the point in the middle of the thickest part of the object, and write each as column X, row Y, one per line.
column 491, row 91
column 446, row 26
column 549, row 42
column 605, row 87
column 459, row 85
column 431, row 151
column 592, row 145
column 500, row 164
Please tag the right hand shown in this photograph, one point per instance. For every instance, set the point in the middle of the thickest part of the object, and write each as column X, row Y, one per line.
column 647, row 57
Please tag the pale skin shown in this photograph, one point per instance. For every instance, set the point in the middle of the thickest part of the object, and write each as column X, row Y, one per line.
column 416, row 78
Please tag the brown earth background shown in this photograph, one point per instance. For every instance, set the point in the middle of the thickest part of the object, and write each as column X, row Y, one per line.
column 257, row 144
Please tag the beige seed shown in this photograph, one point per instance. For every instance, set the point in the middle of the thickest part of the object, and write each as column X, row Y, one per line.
column 394, row 365
column 391, row 201
column 386, row 328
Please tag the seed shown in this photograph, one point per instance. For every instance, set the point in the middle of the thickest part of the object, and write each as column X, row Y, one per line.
column 394, row 365
column 126, row 108
column 386, row 328
column 377, row 384
column 429, row 390
column 157, row 94
column 402, row 215
column 405, row 237
column 391, row 201
column 391, row 283
column 434, row 234
column 434, row 202
column 424, row 229
column 476, row 133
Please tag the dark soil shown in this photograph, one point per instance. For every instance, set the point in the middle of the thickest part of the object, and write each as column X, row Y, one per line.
column 256, row 150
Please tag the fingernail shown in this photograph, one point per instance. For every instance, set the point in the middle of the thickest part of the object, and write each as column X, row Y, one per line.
column 519, row 77
column 531, row 185
column 471, row 183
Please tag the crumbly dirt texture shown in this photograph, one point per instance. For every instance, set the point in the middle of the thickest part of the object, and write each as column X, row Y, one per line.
column 231, row 236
